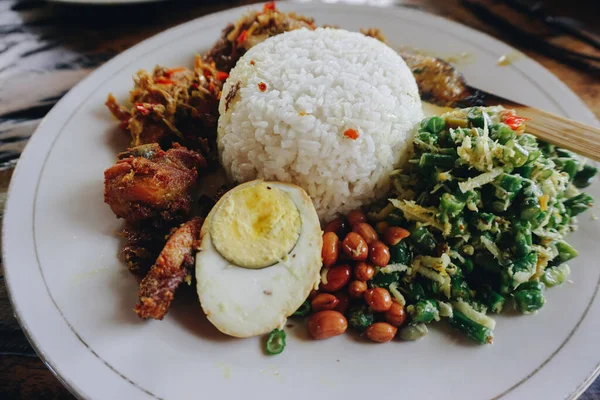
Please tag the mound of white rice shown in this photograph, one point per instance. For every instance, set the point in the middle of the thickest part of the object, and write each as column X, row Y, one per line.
column 296, row 94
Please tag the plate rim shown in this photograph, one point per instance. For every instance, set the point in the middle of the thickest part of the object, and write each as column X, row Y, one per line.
column 573, row 98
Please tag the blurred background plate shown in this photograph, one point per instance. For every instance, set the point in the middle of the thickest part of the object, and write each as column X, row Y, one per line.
column 107, row 2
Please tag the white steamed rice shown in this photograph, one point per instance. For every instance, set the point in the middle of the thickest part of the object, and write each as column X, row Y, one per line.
column 319, row 84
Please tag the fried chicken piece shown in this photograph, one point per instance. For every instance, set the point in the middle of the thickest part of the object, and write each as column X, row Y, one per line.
column 252, row 28
column 153, row 186
column 173, row 105
column 143, row 245
column 438, row 81
column 173, row 266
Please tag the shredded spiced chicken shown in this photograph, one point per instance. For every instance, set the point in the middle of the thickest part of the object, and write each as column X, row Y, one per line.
column 254, row 27
column 173, row 105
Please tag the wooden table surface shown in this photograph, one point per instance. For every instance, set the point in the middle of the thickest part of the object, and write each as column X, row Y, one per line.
column 46, row 48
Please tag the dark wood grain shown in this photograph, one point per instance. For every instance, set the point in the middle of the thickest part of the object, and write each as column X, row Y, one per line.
column 46, row 48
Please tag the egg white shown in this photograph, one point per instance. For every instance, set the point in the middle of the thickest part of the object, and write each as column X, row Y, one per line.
column 244, row 302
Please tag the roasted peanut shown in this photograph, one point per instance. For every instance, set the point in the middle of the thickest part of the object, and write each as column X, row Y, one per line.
column 356, row 216
column 394, row 234
column 326, row 324
column 355, row 247
column 363, row 271
column 378, row 299
column 396, row 315
column 379, row 253
column 357, row 288
column 337, row 278
column 344, row 300
column 337, row 226
column 366, row 231
column 331, row 249
column 381, row 332
column 324, row 301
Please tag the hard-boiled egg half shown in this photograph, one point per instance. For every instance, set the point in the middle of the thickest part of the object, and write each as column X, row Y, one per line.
column 260, row 256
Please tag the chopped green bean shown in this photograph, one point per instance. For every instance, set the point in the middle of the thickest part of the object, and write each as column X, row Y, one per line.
column 450, row 205
column 560, row 152
column 529, row 297
column 360, row 317
column 554, row 276
column 423, row 311
column 519, row 155
column 395, row 218
column 435, row 124
column 546, row 148
column 523, row 238
column 585, row 177
column 566, row 252
column 304, row 310
column 472, row 329
column 502, row 133
column 385, row 280
column 275, row 342
column 495, row 302
column 525, row 170
column 424, row 240
column 530, row 208
column 476, row 116
column 579, row 203
column 533, row 155
column 510, row 183
column 415, row 291
column 527, row 140
column 400, row 253
column 436, row 160
column 568, row 165
column 460, row 288
column 427, row 137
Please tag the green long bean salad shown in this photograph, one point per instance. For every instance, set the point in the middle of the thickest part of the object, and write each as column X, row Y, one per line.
column 488, row 207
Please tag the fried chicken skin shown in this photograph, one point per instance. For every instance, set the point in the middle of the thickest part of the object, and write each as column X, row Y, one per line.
column 172, row 267
column 252, row 28
column 173, row 105
column 150, row 185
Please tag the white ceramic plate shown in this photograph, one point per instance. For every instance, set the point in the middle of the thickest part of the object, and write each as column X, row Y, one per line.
column 74, row 299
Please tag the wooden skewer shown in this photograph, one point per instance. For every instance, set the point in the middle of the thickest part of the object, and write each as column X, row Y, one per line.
column 562, row 132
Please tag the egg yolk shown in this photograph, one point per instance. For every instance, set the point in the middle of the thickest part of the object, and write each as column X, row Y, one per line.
column 256, row 226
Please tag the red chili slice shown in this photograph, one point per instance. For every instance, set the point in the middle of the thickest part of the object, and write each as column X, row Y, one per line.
column 242, row 38
column 143, row 110
column 171, row 71
column 222, row 75
column 164, row 81
column 514, row 121
column 351, row 134
column 270, row 6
